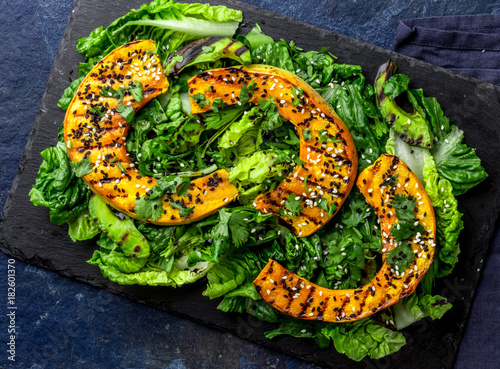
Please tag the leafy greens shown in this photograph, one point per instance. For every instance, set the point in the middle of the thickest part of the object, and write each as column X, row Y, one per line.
column 258, row 148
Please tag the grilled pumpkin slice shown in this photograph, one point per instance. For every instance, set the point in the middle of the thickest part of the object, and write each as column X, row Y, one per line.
column 95, row 130
column 381, row 183
column 326, row 146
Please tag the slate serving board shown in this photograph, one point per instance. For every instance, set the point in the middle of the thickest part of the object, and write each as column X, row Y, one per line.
column 27, row 234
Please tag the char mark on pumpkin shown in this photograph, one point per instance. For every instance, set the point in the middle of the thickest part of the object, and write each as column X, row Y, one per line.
column 306, row 304
column 290, row 297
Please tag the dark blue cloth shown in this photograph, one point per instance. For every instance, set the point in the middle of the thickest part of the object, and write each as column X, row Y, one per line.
column 468, row 44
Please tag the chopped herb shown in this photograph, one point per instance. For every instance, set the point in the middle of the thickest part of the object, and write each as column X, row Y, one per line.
column 292, row 204
column 404, row 230
column 208, row 49
column 126, row 111
column 392, row 180
column 404, row 207
column 401, row 256
column 148, row 208
column 246, row 92
column 119, row 165
column 200, row 100
column 82, row 167
column 306, row 133
column 135, row 89
column 184, row 211
column 217, row 104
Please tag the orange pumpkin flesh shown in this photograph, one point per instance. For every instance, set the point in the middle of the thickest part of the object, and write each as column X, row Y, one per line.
column 300, row 298
column 94, row 129
column 326, row 145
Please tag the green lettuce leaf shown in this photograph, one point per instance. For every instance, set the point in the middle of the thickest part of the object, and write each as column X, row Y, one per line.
column 364, row 338
column 256, row 38
column 275, row 54
column 448, row 219
column 301, row 329
column 417, row 307
column 82, row 227
column 57, row 187
column 168, row 23
column 146, row 276
column 457, row 162
column 237, row 268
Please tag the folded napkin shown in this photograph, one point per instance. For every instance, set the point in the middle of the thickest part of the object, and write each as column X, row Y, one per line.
column 468, row 44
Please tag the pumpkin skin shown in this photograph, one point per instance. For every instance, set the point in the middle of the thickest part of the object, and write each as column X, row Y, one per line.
column 326, row 145
column 300, row 298
column 102, row 139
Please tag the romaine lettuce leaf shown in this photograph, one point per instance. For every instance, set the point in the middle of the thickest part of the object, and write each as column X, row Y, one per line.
column 301, row 329
column 146, row 276
column 82, row 227
column 57, row 188
column 236, row 268
column 256, row 37
column 275, row 54
column 419, row 306
column 448, row 219
column 364, row 338
column 457, row 162
column 168, row 23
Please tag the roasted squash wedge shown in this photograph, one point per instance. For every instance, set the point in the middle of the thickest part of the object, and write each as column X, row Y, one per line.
column 325, row 179
column 381, row 183
column 95, row 130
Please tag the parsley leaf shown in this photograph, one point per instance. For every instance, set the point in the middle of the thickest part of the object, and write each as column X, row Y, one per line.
column 405, row 230
column 246, row 93
column 298, row 95
column 108, row 91
column 292, row 204
column 221, row 229
column 404, row 207
column 239, row 228
column 357, row 213
column 200, row 100
column 401, row 256
column 184, row 212
column 236, row 224
column 217, row 104
column 151, row 207
column 148, row 208
column 135, row 89
column 306, row 133
column 82, row 167
column 126, row 111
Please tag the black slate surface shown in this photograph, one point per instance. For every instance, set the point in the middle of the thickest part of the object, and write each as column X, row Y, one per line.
column 27, row 234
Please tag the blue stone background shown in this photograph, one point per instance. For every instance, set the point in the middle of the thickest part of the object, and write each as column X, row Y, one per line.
column 66, row 324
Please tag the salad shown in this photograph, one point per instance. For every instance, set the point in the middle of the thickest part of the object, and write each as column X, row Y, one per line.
column 193, row 170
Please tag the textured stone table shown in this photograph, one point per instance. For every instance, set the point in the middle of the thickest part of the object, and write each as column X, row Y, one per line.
column 66, row 324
